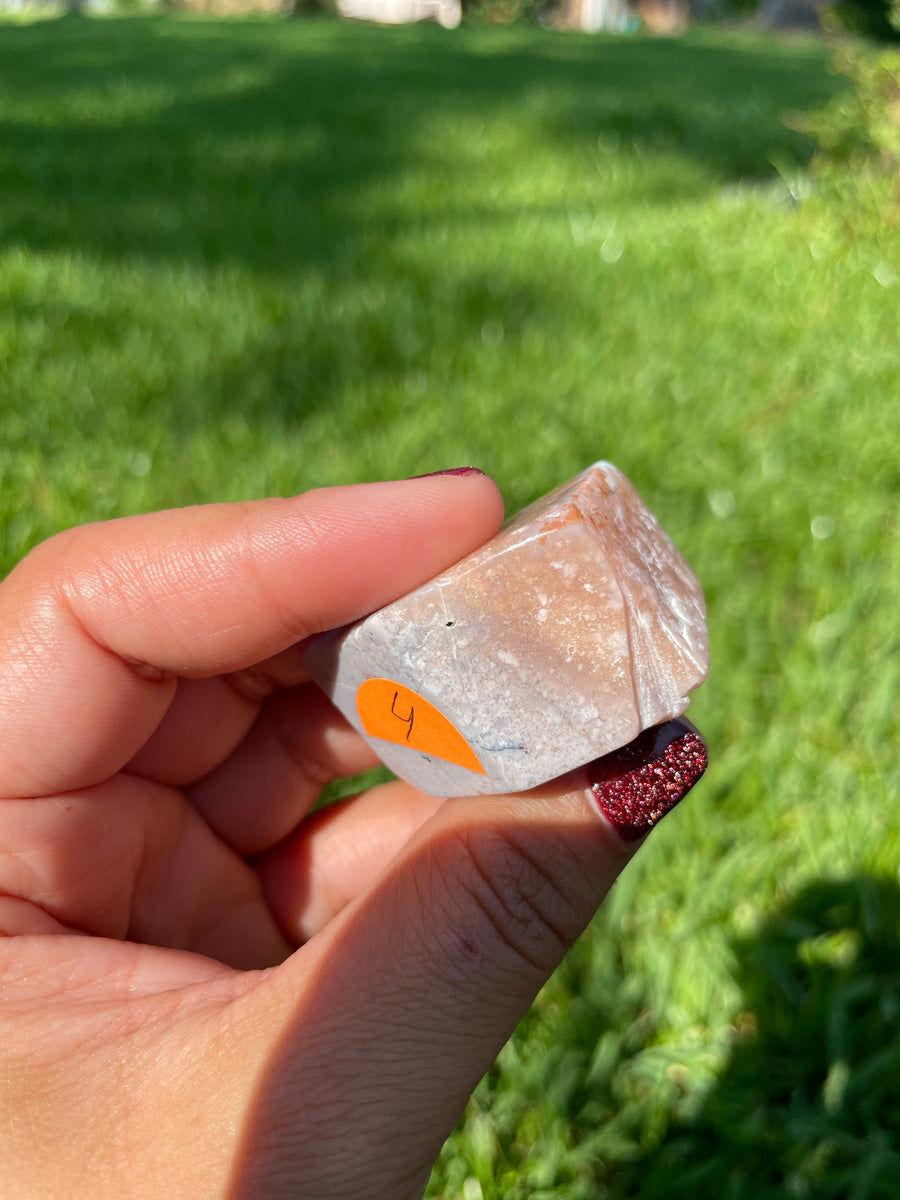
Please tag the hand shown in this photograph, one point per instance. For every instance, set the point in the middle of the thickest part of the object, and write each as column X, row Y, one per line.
column 205, row 992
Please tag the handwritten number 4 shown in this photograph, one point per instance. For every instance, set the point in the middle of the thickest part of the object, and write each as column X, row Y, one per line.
column 406, row 720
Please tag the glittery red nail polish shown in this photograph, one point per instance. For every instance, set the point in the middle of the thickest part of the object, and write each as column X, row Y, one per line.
column 636, row 786
column 450, row 471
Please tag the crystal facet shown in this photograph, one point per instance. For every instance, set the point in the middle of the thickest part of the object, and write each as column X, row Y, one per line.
column 559, row 640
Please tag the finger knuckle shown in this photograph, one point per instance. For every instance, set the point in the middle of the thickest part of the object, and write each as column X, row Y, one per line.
column 520, row 898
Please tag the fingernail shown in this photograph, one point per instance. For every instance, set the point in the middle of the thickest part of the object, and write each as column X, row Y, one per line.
column 451, row 471
column 635, row 786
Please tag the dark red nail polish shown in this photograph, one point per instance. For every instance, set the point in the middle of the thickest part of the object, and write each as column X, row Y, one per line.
column 451, row 471
column 635, row 786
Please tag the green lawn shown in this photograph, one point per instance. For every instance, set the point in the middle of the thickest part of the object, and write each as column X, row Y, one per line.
column 240, row 258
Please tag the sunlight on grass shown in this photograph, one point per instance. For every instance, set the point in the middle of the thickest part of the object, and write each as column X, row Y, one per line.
column 241, row 258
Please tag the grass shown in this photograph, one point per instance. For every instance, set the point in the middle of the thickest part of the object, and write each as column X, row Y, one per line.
column 240, row 258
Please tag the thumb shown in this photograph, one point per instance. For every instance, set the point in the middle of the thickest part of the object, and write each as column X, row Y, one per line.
column 411, row 992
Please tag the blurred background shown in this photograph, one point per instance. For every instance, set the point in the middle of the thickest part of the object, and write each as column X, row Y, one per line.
column 251, row 254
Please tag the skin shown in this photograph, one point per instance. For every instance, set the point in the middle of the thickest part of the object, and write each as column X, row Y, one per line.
column 203, row 991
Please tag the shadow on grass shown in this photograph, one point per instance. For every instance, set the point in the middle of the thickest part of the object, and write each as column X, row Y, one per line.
column 283, row 168
column 259, row 209
column 259, row 143
column 809, row 1105
column 585, row 1099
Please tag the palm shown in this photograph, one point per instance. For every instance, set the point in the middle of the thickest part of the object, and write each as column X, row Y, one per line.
column 96, row 1023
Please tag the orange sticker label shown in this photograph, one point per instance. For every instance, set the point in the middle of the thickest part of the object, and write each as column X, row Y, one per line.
column 398, row 714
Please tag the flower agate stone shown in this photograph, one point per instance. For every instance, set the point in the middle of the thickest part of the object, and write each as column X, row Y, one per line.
column 561, row 639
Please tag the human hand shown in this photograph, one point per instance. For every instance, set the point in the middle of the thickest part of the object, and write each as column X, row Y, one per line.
column 205, row 992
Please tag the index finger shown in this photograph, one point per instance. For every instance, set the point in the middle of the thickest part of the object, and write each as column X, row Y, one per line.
column 98, row 623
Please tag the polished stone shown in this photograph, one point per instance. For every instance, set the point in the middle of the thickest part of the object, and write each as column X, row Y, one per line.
column 559, row 640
